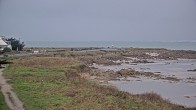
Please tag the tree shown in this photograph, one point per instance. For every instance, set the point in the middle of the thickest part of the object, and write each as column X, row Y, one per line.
column 16, row 44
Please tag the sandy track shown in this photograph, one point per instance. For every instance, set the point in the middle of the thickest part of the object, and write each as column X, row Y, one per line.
column 11, row 98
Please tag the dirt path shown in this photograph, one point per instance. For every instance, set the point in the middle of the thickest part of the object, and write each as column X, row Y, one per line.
column 11, row 98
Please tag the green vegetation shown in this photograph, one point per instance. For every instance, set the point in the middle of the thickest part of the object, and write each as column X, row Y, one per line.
column 6, row 50
column 3, row 105
column 54, row 83
column 16, row 44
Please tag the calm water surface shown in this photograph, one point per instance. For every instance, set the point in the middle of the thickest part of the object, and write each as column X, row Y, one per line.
column 182, row 92
column 174, row 92
column 189, row 45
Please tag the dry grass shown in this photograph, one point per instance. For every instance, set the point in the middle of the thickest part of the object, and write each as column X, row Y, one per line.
column 46, row 62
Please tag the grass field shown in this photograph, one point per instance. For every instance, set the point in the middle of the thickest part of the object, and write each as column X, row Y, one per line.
column 54, row 83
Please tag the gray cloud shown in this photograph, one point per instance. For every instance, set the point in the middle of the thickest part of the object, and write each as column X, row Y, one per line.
column 91, row 20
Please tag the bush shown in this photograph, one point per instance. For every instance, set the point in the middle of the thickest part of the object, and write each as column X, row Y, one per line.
column 6, row 49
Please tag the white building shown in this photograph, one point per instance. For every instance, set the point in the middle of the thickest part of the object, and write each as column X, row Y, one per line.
column 4, row 43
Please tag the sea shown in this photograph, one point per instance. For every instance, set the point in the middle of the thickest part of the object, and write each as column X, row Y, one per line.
column 180, row 45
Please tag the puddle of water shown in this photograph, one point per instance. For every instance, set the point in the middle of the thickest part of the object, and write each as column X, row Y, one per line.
column 174, row 92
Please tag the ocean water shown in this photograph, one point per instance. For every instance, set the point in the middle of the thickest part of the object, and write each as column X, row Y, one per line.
column 185, row 45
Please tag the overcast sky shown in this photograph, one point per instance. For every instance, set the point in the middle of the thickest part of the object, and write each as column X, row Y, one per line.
column 99, row 20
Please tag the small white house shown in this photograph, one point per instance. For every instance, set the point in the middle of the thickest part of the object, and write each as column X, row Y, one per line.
column 4, row 43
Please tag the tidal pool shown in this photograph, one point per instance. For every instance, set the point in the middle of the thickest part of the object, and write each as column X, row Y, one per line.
column 182, row 92
column 178, row 93
column 175, row 68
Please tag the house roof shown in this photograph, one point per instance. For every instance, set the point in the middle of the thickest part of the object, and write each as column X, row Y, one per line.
column 2, row 43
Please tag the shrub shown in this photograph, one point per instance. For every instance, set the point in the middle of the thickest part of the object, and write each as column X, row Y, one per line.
column 6, row 49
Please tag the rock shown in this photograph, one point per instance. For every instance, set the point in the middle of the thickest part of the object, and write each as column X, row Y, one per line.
column 194, row 70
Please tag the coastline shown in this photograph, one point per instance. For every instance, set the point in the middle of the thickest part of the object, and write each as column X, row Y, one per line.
column 173, row 45
column 53, row 58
